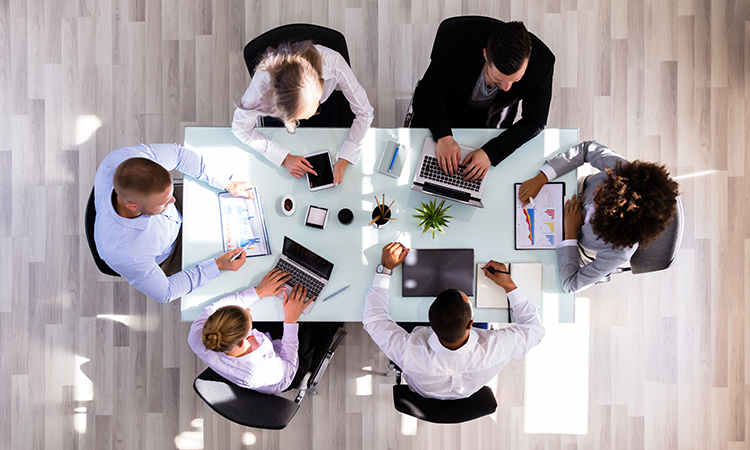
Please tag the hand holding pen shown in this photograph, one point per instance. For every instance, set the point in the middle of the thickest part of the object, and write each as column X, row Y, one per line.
column 499, row 274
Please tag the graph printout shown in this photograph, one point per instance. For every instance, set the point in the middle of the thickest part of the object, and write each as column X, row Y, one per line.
column 242, row 223
column 540, row 227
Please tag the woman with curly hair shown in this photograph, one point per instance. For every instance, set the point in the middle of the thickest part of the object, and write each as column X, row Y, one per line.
column 290, row 83
column 624, row 206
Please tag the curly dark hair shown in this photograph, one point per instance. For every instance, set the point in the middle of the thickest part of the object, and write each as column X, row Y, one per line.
column 634, row 204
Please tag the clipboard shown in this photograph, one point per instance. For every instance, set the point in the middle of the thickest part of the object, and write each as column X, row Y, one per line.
column 540, row 228
column 243, row 223
column 392, row 161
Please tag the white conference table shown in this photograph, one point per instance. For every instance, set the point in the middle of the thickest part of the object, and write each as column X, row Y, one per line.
column 355, row 249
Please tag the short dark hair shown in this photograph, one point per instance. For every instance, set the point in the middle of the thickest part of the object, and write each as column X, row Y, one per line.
column 140, row 176
column 634, row 204
column 508, row 47
column 450, row 315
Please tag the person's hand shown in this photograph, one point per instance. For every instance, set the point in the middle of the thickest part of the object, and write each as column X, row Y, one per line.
column 573, row 217
column 222, row 262
column 531, row 187
column 338, row 171
column 298, row 165
column 500, row 277
column 295, row 303
column 477, row 164
column 239, row 188
column 448, row 154
column 393, row 255
column 272, row 283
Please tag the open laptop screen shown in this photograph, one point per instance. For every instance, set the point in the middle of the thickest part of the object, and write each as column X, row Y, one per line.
column 306, row 258
column 428, row 272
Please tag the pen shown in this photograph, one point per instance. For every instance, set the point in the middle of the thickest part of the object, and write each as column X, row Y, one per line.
column 237, row 255
column 494, row 271
column 337, row 292
column 393, row 161
column 531, row 199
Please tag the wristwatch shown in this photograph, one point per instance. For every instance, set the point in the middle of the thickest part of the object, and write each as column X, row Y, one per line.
column 384, row 270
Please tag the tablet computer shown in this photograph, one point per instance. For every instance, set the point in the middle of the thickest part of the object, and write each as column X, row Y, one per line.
column 321, row 162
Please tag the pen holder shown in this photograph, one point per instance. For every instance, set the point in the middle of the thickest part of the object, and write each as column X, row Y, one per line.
column 383, row 221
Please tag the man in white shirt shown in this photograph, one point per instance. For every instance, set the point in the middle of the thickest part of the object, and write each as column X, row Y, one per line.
column 137, row 226
column 449, row 359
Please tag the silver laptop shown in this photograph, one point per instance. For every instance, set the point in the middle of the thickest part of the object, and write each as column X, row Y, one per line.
column 430, row 179
column 306, row 268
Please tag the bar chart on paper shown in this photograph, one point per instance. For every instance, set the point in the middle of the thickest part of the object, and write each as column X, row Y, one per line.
column 539, row 225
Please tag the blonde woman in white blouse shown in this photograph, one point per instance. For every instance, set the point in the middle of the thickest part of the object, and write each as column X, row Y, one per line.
column 290, row 83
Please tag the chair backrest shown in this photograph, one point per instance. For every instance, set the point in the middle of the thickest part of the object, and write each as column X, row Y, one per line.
column 661, row 253
column 244, row 406
column 480, row 404
column 89, row 220
column 294, row 32
column 455, row 26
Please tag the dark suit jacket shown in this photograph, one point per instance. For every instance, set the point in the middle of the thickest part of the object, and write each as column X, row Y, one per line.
column 456, row 62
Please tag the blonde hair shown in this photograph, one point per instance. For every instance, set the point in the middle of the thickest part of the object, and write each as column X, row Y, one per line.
column 296, row 71
column 225, row 328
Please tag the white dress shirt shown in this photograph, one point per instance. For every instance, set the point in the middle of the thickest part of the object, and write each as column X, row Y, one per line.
column 430, row 369
column 134, row 248
column 257, row 101
column 268, row 369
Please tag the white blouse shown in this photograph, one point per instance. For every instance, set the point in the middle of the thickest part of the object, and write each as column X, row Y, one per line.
column 257, row 102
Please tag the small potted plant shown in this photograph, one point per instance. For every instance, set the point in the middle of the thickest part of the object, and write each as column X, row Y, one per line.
column 432, row 216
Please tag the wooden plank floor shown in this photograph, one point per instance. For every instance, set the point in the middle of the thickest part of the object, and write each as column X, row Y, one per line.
column 89, row 363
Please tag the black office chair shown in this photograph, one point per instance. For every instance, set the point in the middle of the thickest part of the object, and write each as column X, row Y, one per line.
column 89, row 219
column 662, row 252
column 480, row 404
column 336, row 105
column 253, row 409
column 449, row 27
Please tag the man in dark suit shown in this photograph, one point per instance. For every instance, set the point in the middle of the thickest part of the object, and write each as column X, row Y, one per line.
column 480, row 70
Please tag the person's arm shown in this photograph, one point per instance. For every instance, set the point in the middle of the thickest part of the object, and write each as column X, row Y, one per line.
column 246, row 116
column 360, row 105
column 592, row 152
column 146, row 276
column 177, row 157
column 535, row 110
column 150, row 279
column 430, row 100
column 377, row 321
column 575, row 277
column 528, row 330
column 294, row 304
column 598, row 155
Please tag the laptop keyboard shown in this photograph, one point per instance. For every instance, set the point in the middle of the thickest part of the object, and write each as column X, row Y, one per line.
column 300, row 277
column 431, row 170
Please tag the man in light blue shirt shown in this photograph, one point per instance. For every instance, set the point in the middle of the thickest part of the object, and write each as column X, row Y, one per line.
column 137, row 224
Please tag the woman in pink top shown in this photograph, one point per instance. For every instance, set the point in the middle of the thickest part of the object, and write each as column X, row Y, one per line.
column 223, row 337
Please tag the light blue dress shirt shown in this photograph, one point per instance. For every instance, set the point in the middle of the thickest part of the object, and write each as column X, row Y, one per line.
column 134, row 248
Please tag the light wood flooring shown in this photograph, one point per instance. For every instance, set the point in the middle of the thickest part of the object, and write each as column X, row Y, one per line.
column 90, row 363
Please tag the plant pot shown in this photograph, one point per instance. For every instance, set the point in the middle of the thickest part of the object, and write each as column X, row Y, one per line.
column 382, row 222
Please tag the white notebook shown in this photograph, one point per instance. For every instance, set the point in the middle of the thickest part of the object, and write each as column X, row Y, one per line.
column 527, row 276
